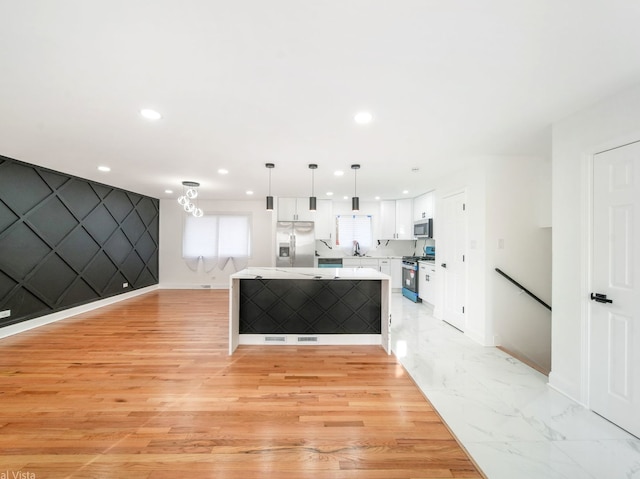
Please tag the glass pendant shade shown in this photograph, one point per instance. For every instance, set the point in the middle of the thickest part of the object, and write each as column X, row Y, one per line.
column 312, row 203
column 355, row 203
column 189, row 194
column 269, row 203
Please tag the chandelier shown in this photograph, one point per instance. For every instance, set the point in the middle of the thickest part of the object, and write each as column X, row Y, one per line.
column 189, row 193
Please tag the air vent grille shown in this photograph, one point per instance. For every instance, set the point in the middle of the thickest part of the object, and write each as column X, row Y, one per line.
column 275, row 339
column 307, row 339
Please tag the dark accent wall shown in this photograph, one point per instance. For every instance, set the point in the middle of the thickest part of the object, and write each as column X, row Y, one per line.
column 293, row 306
column 66, row 241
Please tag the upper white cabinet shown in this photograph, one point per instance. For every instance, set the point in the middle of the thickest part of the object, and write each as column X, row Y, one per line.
column 294, row 209
column 325, row 221
column 396, row 220
column 423, row 206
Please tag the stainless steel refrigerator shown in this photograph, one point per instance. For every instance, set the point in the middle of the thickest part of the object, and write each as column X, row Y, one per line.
column 295, row 243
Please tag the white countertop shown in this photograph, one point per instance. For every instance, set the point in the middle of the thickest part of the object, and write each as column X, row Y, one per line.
column 359, row 257
column 310, row 273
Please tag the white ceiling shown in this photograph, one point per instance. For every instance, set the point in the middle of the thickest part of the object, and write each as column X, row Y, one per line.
column 245, row 82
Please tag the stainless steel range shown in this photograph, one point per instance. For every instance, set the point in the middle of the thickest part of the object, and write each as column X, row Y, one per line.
column 410, row 276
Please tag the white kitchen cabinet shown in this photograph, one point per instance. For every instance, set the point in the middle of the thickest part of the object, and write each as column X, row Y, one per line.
column 351, row 262
column 369, row 263
column 325, row 222
column 359, row 262
column 392, row 267
column 427, row 281
column 295, row 209
column 423, row 206
column 384, row 265
column 396, row 220
column 396, row 273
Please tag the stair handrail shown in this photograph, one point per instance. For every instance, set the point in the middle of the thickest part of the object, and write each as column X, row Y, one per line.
column 523, row 288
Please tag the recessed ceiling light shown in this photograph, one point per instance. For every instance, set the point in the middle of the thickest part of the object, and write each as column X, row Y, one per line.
column 223, row 171
column 345, row 197
column 104, row 168
column 249, row 192
column 405, row 192
column 329, row 193
column 363, row 118
column 338, row 173
column 168, row 191
column 150, row 114
column 377, row 197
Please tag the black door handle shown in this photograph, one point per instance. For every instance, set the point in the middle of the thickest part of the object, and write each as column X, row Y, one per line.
column 444, row 265
column 600, row 298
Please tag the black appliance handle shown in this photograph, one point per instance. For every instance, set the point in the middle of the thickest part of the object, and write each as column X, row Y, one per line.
column 444, row 265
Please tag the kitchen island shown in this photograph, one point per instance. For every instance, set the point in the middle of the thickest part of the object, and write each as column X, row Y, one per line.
column 299, row 306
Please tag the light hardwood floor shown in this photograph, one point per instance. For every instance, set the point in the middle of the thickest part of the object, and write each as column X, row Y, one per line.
column 145, row 389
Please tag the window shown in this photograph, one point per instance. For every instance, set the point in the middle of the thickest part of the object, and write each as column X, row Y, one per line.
column 352, row 228
column 216, row 239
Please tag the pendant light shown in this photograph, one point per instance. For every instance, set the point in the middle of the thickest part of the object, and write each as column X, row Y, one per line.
column 355, row 201
column 270, row 166
column 312, row 198
column 190, row 192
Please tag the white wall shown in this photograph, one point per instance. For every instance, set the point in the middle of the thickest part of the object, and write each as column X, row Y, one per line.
column 472, row 181
column 174, row 272
column 518, row 188
column 506, row 198
column 610, row 123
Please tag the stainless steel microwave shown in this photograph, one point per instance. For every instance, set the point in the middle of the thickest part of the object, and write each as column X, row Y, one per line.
column 423, row 228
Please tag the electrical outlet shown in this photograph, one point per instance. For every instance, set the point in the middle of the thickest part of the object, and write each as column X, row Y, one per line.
column 5, row 314
column 125, row 285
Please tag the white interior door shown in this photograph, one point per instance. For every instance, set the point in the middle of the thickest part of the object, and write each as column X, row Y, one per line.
column 615, row 316
column 452, row 260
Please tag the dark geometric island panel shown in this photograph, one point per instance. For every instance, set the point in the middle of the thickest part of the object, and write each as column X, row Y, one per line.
column 287, row 306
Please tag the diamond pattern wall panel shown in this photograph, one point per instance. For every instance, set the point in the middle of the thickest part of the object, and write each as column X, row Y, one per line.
column 66, row 241
column 287, row 306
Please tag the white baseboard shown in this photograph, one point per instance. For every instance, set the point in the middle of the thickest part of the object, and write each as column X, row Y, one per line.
column 564, row 387
column 477, row 337
column 193, row 286
column 67, row 313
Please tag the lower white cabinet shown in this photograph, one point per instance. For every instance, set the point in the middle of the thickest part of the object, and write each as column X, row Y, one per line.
column 396, row 273
column 351, row 263
column 427, row 281
column 390, row 266
column 360, row 263
column 384, row 265
column 370, row 263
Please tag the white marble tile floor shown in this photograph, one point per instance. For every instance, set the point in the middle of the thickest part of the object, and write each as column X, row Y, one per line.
column 502, row 411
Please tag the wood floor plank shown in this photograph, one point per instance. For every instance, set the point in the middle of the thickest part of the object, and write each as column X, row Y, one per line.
column 145, row 389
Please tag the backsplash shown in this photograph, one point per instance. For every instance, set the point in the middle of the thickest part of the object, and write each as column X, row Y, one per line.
column 380, row 248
